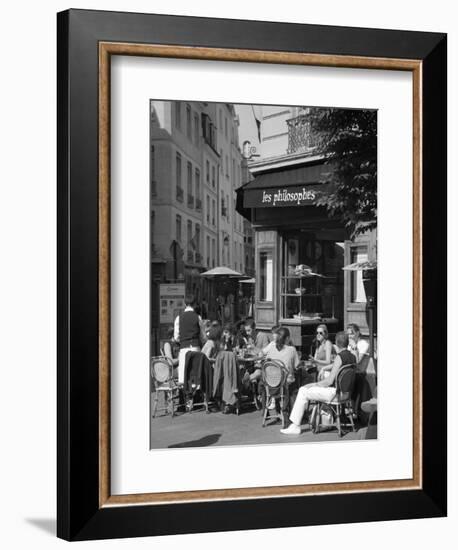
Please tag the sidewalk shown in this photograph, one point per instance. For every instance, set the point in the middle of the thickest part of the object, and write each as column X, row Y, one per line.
column 198, row 429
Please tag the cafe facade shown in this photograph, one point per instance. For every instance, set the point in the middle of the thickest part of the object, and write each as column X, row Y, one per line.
column 300, row 251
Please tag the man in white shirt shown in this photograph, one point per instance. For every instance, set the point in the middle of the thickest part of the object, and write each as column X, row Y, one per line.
column 358, row 346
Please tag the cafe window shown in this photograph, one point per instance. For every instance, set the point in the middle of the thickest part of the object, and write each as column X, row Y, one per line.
column 357, row 254
column 311, row 281
column 266, row 276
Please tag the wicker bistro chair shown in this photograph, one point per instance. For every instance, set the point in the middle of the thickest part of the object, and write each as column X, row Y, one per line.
column 341, row 405
column 163, row 384
column 274, row 376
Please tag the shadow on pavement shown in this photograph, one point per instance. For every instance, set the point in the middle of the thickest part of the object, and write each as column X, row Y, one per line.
column 205, row 441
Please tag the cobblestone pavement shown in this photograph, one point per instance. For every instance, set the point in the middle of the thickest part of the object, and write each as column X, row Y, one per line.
column 198, row 429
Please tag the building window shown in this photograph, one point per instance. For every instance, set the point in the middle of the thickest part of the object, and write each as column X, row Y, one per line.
column 190, row 243
column 227, row 165
column 208, row 251
column 225, row 127
column 227, row 209
column 178, row 228
column 179, row 188
column 196, row 129
column 152, row 228
column 190, row 195
column 188, row 122
column 178, row 114
column 153, row 171
column 357, row 254
column 223, row 208
column 197, row 238
column 198, row 195
column 221, row 120
column 213, row 177
column 208, row 210
column 213, row 253
column 213, row 212
column 266, row 273
column 207, row 172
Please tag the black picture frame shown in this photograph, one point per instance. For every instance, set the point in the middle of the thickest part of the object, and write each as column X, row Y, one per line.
column 79, row 514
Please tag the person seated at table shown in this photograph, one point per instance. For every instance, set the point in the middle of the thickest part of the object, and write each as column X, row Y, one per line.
column 283, row 351
column 358, row 346
column 324, row 390
column 170, row 348
column 229, row 339
column 255, row 341
column 211, row 346
column 322, row 357
column 273, row 339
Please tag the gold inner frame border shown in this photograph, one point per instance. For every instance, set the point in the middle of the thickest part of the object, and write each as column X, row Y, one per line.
column 106, row 50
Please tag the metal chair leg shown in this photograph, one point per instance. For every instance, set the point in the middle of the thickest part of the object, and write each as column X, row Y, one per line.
column 172, row 404
column 339, row 427
column 351, row 417
column 154, row 405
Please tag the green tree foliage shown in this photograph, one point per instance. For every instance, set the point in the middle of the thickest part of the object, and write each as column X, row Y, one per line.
column 348, row 139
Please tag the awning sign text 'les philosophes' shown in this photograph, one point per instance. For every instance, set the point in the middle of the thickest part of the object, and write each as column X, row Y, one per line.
column 285, row 196
column 277, row 197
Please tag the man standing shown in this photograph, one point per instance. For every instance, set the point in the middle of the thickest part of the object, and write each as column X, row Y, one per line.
column 188, row 332
column 325, row 390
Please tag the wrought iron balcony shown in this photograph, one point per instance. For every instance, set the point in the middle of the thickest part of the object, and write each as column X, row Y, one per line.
column 300, row 138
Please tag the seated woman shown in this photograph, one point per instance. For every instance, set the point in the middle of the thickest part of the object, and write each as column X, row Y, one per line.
column 323, row 352
column 281, row 350
column 212, row 344
column 230, row 340
column 170, row 349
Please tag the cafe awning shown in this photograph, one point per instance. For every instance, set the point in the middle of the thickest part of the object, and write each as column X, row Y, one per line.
column 294, row 186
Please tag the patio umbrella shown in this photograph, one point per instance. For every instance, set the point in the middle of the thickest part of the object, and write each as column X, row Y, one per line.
column 223, row 271
column 366, row 265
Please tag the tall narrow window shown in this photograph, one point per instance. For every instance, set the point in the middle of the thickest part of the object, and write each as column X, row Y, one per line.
column 213, row 177
column 179, row 189
column 213, row 212
column 213, row 253
column 358, row 254
column 225, row 127
column 152, row 228
column 207, row 172
column 178, row 114
column 153, row 171
column 190, row 195
column 197, row 183
column 265, row 277
column 196, row 129
column 208, row 210
column 190, row 242
column 208, row 251
column 188, row 122
column 178, row 228
column 197, row 238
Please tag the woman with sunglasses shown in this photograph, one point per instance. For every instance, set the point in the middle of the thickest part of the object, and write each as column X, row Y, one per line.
column 323, row 351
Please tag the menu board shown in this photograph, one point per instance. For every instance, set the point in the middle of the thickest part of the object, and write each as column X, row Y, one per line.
column 171, row 302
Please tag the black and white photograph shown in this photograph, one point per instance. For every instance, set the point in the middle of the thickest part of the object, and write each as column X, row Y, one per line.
column 263, row 274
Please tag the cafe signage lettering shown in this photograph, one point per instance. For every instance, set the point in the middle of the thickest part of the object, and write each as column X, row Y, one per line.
column 285, row 196
column 278, row 197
